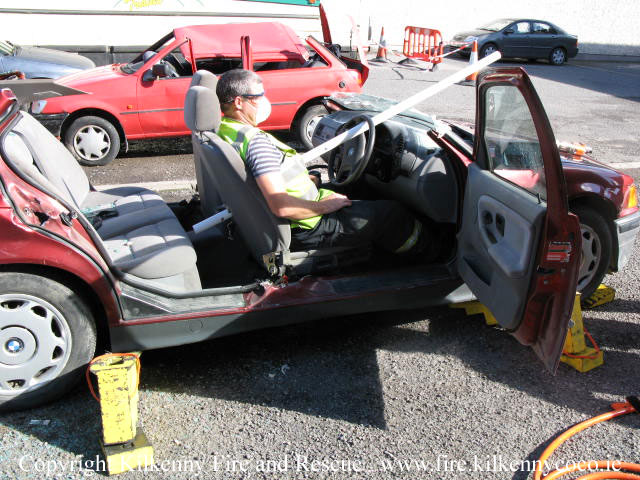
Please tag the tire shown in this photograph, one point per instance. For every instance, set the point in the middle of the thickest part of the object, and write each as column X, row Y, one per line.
column 308, row 122
column 92, row 140
column 557, row 56
column 596, row 250
column 488, row 49
column 47, row 337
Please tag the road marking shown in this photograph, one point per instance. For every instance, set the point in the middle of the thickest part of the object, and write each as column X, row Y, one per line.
column 624, row 165
column 165, row 186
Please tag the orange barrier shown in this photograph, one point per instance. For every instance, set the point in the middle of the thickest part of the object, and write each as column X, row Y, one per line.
column 424, row 44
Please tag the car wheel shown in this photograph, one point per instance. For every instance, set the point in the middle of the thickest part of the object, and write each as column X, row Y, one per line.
column 558, row 56
column 92, row 140
column 596, row 250
column 308, row 123
column 47, row 336
column 488, row 49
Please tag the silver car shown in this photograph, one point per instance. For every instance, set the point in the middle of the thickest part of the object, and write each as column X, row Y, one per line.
column 36, row 62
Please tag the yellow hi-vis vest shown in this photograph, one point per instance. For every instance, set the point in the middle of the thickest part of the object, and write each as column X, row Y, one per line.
column 295, row 174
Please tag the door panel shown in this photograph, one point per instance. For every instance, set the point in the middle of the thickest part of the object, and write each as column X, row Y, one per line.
column 518, row 245
column 498, row 243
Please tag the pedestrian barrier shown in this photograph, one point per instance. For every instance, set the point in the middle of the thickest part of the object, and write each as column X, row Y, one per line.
column 424, row 44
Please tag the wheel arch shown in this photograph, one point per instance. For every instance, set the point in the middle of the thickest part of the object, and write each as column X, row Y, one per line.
column 76, row 284
column 309, row 103
column 96, row 112
column 602, row 205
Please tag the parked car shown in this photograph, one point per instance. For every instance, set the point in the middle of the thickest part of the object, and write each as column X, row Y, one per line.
column 123, row 269
column 37, row 62
column 519, row 38
column 144, row 98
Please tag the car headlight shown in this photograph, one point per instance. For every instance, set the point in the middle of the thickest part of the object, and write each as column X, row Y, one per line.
column 470, row 39
column 38, row 106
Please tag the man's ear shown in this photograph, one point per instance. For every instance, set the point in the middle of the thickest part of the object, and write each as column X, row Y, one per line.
column 237, row 103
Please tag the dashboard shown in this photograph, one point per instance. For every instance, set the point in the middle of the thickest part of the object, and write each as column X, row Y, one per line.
column 406, row 165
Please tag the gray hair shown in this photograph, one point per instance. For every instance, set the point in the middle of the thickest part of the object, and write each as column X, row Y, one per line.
column 234, row 83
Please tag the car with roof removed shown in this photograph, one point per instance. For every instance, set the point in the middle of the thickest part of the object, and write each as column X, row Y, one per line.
column 122, row 269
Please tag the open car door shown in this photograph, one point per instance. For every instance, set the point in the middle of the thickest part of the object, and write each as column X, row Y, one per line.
column 518, row 245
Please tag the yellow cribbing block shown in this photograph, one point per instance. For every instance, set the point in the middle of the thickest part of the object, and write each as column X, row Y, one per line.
column 476, row 308
column 128, row 456
column 118, row 386
column 575, row 352
column 602, row 295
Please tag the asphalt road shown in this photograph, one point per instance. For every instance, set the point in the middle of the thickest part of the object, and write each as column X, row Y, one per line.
column 419, row 394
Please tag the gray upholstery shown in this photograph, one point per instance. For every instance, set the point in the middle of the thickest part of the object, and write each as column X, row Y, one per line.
column 153, row 250
column 203, row 121
column 197, row 112
column 145, row 239
column 262, row 231
column 204, row 78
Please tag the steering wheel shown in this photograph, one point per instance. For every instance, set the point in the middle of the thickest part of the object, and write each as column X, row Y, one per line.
column 348, row 161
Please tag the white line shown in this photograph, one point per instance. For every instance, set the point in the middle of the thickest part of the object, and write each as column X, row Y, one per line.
column 165, row 186
column 624, row 165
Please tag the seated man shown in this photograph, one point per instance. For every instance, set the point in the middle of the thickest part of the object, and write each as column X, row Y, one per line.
column 319, row 218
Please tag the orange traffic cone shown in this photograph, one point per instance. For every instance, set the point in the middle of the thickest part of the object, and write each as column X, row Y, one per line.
column 473, row 59
column 381, row 56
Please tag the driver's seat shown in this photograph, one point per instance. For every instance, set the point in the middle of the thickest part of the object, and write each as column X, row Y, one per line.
column 268, row 237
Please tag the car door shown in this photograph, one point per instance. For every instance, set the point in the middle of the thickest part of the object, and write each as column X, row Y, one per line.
column 161, row 100
column 516, row 39
column 519, row 247
column 543, row 38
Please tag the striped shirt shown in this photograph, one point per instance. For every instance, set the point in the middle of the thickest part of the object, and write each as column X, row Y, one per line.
column 263, row 156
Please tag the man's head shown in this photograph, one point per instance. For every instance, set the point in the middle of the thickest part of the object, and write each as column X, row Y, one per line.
column 241, row 96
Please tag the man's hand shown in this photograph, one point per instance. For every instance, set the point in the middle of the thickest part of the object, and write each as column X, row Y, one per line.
column 335, row 201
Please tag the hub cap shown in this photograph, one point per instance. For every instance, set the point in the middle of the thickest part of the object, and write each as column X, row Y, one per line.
column 92, row 143
column 35, row 343
column 311, row 126
column 591, row 254
column 558, row 56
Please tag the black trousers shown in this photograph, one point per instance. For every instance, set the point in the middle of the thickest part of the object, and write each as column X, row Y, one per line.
column 384, row 223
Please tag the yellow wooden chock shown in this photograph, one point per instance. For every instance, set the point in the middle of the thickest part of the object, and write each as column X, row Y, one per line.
column 476, row 308
column 602, row 295
column 124, row 446
column 576, row 353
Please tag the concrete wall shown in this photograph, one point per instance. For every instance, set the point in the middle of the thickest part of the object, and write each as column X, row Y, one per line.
column 602, row 27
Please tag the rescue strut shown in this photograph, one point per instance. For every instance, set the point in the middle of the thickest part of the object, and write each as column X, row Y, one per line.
column 400, row 107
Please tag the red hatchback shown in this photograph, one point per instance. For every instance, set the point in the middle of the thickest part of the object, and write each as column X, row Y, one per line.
column 145, row 98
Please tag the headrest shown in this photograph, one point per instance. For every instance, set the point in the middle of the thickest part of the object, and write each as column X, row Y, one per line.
column 17, row 151
column 202, row 110
column 204, row 78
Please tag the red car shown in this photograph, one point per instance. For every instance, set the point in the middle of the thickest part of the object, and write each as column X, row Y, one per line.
column 122, row 269
column 144, row 98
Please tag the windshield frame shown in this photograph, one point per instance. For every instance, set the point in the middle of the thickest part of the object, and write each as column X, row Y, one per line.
column 136, row 64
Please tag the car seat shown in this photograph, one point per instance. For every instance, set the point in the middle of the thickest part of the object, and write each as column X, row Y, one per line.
column 268, row 237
